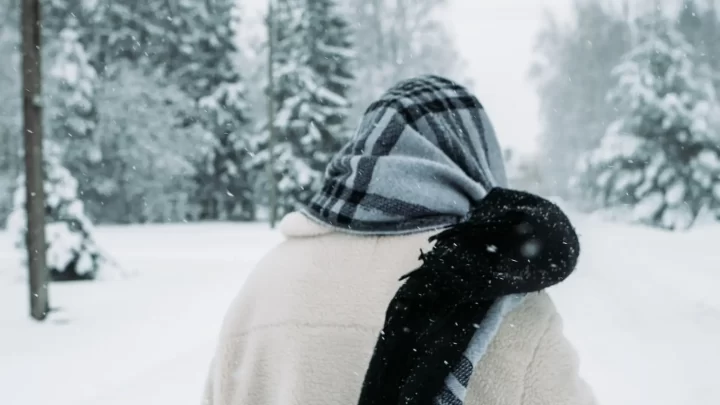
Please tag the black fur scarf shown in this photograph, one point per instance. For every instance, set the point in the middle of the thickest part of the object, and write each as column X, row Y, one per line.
column 512, row 242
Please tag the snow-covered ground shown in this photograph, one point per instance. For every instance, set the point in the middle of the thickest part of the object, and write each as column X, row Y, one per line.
column 643, row 310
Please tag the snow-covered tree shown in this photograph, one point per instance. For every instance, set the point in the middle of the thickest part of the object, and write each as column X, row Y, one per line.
column 131, row 30
column 204, row 67
column 313, row 56
column 661, row 158
column 58, row 14
column 71, row 113
column 10, row 115
column 192, row 45
column 148, row 156
column 224, row 186
column 72, row 253
column 72, row 91
column 330, row 60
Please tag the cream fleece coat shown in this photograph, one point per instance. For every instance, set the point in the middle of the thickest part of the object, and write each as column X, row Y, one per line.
column 302, row 329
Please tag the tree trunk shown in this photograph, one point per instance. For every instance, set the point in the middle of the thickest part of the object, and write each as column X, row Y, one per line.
column 35, row 194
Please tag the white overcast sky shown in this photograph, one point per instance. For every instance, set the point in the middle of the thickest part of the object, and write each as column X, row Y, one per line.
column 496, row 39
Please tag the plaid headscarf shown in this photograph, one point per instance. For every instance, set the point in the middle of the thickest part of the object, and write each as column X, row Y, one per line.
column 422, row 155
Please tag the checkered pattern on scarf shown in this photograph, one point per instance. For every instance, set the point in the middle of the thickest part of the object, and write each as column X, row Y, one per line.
column 422, row 154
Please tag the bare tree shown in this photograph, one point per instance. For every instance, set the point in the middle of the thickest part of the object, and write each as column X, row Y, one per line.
column 35, row 196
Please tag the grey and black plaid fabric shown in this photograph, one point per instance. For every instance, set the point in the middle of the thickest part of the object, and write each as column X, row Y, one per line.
column 456, row 383
column 422, row 154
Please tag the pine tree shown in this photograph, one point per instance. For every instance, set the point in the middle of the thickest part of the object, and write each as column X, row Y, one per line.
column 134, row 31
column 661, row 158
column 312, row 80
column 190, row 43
column 72, row 88
column 204, row 67
column 330, row 60
column 71, row 114
column 225, row 186
column 58, row 14
column 115, row 31
column 10, row 112
column 72, row 253
column 147, row 167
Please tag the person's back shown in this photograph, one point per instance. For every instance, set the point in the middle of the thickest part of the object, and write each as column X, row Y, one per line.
column 303, row 328
column 308, row 320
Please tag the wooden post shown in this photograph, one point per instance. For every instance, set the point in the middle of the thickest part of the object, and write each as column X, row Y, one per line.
column 272, row 180
column 32, row 127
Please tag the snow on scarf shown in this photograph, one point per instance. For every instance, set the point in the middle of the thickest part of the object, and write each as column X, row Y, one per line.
column 425, row 157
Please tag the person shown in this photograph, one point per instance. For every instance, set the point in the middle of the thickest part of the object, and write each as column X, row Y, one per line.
column 414, row 276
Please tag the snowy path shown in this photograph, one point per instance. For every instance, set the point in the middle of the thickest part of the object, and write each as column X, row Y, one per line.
column 642, row 310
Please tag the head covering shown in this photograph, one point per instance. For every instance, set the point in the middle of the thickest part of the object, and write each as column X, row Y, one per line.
column 421, row 156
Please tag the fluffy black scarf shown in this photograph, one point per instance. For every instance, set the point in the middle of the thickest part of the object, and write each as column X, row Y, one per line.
column 512, row 242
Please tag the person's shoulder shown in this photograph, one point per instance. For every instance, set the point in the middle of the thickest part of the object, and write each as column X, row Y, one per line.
column 528, row 321
column 538, row 306
column 529, row 360
column 552, row 371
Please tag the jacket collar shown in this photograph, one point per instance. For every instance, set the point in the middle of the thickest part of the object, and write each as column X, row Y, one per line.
column 298, row 225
